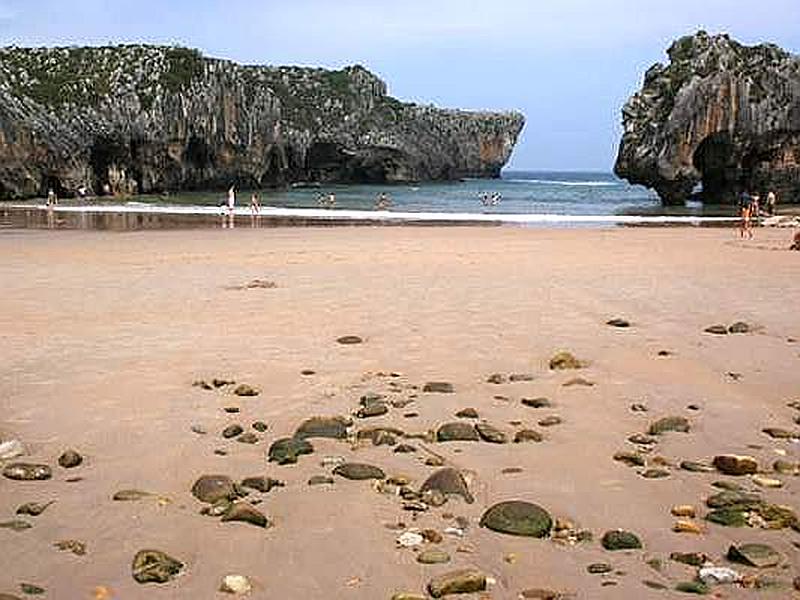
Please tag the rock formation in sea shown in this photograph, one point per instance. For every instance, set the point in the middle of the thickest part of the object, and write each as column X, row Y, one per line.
column 142, row 119
column 720, row 114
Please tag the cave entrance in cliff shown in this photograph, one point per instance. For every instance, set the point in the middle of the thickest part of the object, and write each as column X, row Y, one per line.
column 715, row 160
column 325, row 161
column 52, row 182
column 106, row 153
column 198, row 153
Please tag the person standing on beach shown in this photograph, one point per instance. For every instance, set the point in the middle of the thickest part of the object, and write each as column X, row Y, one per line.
column 772, row 200
column 745, row 203
column 755, row 210
column 231, row 199
column 52, row 199
column 255, row 205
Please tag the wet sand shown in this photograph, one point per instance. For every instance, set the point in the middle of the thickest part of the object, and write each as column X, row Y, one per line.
column 103, row 335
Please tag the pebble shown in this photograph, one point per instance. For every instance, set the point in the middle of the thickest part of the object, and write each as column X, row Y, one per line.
column 449, row 482
column 359, row 471
column 491, row 434
column 760, row 556
column 248, row 438
column 692, row 587
column 565, row 360
column 642, row 439
column 578, row 381
column 679, row 424
column 631, row 459
column 464, row 581
column 438, row 387
column 199, row 429
column 717, row 329
column 520, row 377
column 459, row 431
column 349, row 340
column 404, row 449
column 528, row 435
column 211, row 488
column 718, row 575
column 285, row 451
column 246, row 513
column 30, row 589
column 27, row 472
column 684, row 526
column 496, row 378
column 261, row 484
column 696, row 467
column 154, row 566
column 684, row 510
column 550, row 421
column 599, row 568
column 245, row 390
column 537, row 402
column 323, row 427
column 732, row 464
column 433, row 557
column 231, row 410
column 767, row 482
column 77, row 547
column 321, row 480
column 619, row 539
column 15, row 525
column 655, row 474
column 11, row 449
column 409, row 539
column 33, row 509
column 467, row 413
column 618, row 322
column 232, row 431
column 739, row 327
column 236, row 584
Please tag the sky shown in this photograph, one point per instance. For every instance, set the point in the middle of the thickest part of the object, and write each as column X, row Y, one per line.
column 567, row 65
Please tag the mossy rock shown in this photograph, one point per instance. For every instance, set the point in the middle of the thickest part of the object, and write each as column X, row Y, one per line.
column 154, row 566
column 727, row 517
column 359, row 471
column 285, row 451
column 618, row 539
column 323, row 427
column 517, row 517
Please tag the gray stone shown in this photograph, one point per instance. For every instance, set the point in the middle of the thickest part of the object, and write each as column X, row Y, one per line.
column 491, row 434
column 349, row 340
column 467, row 413
column 739, row 327
column 261, row 484
column 528, row 435
column 323, row 427
column 537, row 402
column 231, row 431
column 760, row 556
column 70, row 459
column 617, row 322
column 717, row 329
column 359, row 471
column 285, row 451
column 453, row 432
column 449, row 482
column 211, row 488
column 245, row 390
column 33, row 509
column 438, row 387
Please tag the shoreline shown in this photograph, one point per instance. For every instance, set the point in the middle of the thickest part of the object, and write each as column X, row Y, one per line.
column 137, row 216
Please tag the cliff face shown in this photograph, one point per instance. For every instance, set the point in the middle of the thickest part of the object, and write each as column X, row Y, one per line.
column 721, row 114
column 142, row 119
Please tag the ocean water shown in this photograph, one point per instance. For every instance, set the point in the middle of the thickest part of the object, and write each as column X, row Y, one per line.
column 524, row 197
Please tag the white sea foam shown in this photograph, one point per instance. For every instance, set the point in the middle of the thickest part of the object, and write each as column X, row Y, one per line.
column 393, row 216
column 565, row 183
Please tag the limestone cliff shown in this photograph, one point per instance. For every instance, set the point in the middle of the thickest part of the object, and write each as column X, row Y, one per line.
column 144, row 119
column 721, row 114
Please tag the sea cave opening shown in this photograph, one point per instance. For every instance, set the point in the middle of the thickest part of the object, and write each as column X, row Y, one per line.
column 714, row 159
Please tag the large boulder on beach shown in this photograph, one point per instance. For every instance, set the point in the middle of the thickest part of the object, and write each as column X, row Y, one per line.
column 212, row 488
column 517, row 517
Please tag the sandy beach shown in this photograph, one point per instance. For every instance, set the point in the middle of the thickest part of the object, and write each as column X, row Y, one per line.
column 104, row 334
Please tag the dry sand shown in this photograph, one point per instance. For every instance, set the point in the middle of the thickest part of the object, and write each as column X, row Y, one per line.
column 102, row 335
